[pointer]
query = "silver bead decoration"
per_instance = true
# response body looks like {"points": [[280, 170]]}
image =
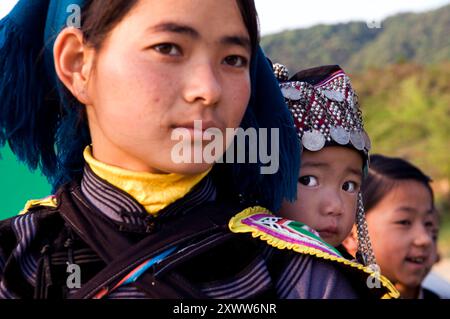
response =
{"points": [[339, 135], [281, 71], [364, 243], [313, 140]]}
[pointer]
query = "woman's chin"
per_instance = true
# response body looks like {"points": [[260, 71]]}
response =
{"points": [[191, 168]]}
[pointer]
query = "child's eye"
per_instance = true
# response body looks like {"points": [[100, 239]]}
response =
{"points": [[236, 61], [310, 181], [404, 222], [350, 187], [429, 224], [168, 49], [434, 235]]}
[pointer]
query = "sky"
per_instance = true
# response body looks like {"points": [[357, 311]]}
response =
{"points": [[279, 15]]}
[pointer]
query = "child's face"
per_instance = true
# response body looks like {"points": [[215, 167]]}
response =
{"points": [[327, 192], [166, 64], [401, 231]]}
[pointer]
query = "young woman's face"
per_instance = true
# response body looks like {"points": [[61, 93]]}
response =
{"points": [[327, 192], [401, 231], [166, 64]]}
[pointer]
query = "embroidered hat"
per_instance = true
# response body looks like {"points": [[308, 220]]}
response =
{"points": [[325, 109]]}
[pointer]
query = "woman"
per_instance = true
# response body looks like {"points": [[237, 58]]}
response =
{"points": [[127, 216]]}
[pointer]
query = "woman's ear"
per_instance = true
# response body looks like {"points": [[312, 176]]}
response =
{"points": [[351, 242], [73, 62]]}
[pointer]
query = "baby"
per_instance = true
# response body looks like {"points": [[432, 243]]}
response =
{"points": [[334, 156]]}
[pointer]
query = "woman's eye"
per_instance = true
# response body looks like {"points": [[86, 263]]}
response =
{"points": [[236, 61], [350, 187], [310, 181], [168, 49]]}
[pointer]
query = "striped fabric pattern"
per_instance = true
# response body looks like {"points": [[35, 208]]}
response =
{"points": [[5, 293], [123, 209], [25, 229], [255, 279], [290, 277]]}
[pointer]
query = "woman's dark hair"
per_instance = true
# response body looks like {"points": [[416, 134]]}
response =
{"points": [[98, 19], [384, 175]]}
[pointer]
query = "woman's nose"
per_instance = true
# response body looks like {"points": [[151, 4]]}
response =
{"points": [[203, 85]]}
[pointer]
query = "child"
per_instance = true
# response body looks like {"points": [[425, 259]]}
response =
{"points": [[334, 157], [402, 223]]}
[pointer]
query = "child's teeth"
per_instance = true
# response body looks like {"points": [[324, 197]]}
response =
{"points": [[417, 260]]}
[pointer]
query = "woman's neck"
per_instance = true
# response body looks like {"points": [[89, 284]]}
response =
{"points": [[153, 191]]}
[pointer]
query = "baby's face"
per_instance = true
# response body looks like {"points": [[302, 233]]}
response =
{"points": [[327, 192]]}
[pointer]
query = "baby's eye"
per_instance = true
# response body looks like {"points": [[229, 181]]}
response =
{"points": [[168, 49], [350, 187], [310, 181], [236, 61]]}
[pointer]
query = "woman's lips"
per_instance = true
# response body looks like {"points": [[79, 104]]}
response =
{"points": [[198, 130]]}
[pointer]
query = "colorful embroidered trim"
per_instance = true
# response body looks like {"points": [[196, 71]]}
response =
{"points": [[49, 201], [282, 233]]}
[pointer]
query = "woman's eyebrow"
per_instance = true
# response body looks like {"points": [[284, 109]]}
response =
{"points": [[237, 40], [173, 27]]}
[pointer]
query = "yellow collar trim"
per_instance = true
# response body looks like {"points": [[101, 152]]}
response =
{"points": [[49, 201], [153, 191], [236, 225]]}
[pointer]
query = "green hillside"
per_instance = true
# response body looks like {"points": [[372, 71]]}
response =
{"points": [[422, 38], [406, 109]]}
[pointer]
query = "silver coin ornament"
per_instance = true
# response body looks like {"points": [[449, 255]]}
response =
{"points": [[333, 95], [367, 142], [339, 135], [313, 140], [291, 93], [357, 140]]}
